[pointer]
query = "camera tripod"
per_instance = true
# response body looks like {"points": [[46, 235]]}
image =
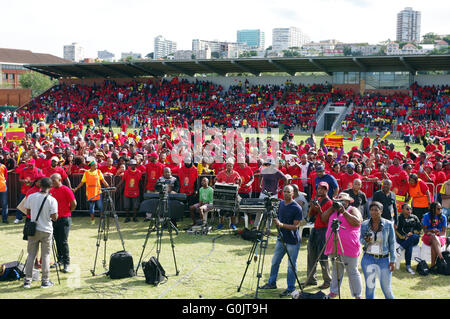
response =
{"points": [[103, 225], [263, 232], [161, 221], [335, 226]]}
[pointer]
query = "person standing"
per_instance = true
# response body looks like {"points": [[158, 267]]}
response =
{"points": [[419, 193], [388, 199], [288, 221], [351, 219], [27, 176], [131, 178], [378, 238], [66, 205], [44, 231], [316, 240], [4, 193], [93, 178]]}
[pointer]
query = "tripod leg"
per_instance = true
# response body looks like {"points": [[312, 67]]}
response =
{"points": [[170, 226], [143, 247], [262, 250], [250, 256], [54, 257], [99, 236]]}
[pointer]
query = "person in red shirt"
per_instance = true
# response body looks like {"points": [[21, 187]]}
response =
{"points": [[131, 177], [27, 176], [246, 174], [395, 168], [154, 170], [229, 176], [187, 176], [54, 168], [348, 177], [66, 204], [109, 169]]}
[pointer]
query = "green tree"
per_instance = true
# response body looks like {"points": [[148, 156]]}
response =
{"points": [[150, 55], [37, 82], [215, 55], [347, 51]]}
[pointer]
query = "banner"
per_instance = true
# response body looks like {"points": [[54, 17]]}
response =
{"points": [[15, 134], [334, 141]]}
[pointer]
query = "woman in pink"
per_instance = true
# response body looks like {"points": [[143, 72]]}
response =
{"points": [[348, 219]]}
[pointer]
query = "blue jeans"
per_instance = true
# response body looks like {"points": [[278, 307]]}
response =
{"points": [[4, 201], [19, 214], [408, 245], [373, 267], [93, 204], [278, 255]]}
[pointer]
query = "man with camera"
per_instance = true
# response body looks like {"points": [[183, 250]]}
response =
{"points": [[287, 222], [317, 239], [46, 206]]}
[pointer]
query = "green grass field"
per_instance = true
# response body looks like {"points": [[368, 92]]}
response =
{"points": [[211, 266]]}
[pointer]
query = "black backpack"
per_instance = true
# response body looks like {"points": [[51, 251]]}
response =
{"points": [[251, 235], [153, 271], [121, 265], [422, 267]]}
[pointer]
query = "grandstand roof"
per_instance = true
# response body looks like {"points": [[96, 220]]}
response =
{"points": [[406, 63], [27, 57]]}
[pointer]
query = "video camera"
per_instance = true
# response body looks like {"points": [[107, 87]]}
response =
{"points": [[162, 186], [271, 203], [337, 204]]}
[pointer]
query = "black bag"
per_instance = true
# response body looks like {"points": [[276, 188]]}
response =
{"points": [[121, 265], [154, 272], [29, 228], [442, 266], [422, 267]]}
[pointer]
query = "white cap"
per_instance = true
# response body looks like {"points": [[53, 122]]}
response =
{"points": [[55, 158]]}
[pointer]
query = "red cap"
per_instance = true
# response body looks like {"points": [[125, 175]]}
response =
{"points": [[31, 161], [324, 184], [154, 154]]}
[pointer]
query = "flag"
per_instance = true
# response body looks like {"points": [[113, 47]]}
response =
{"points": [[334, 141], [386, 135]]}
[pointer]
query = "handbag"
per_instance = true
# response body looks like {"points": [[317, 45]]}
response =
{"points": [[29, 229]]}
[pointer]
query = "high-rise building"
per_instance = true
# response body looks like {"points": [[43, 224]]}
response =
{"points": [[253, 39], [285, 38], [73, 52], [163, 47], [105, 55], [408, 25]]}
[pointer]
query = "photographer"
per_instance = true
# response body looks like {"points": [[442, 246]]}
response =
{"points": [[378, 238], [288, 221], [168, 179], [44, 231], [316, 240], [350, 217]]}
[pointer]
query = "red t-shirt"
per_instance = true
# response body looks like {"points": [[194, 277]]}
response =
{"points": [[347, 180], [187, 177], [105, 169], [30, 174], [233, 178], [49, 171], [154, 171], [246, 174], [132, 179], [63, 196], [319, 223]]}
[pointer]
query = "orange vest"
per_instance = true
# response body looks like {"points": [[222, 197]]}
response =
{"points": [[3, 173], [93, 186], [419, 199]]}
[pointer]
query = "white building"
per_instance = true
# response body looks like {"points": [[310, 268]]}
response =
{"points": [[163, 47], [393, 48], [408, 25], [227, 50], [285, 38], [73, 52]]}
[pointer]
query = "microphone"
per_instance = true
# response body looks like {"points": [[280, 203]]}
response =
{"points": [[108, 189]]}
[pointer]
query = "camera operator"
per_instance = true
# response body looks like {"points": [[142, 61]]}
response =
{"points": [[288, 221], [350, 217], [168, 179], [317, 239]]}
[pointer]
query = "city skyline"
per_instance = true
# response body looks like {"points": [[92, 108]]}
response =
{"points": [[349, 21]]}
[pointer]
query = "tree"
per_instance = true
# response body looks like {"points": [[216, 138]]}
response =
{"points": [[150, 55], [215, 55], [37, 82], [347, 51]]}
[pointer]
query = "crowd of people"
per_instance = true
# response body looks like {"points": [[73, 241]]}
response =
{"points": [[385, 195]]}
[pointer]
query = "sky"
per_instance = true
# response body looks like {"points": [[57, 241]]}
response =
{"points": [[45, 26]]}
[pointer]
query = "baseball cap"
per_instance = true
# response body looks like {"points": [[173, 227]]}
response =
{"points": [[132, 162], [324, 184], [351, 165], [154, 154], [55, 158], [320, 168]]}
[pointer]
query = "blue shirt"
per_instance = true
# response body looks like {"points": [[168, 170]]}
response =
{"points": [[332, 183], [287, 214], [438, 223]]}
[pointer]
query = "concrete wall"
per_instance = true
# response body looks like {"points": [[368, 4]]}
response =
{"points": [[14, 97]]}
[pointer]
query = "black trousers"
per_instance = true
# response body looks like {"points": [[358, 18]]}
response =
{"points": [[61, 230]]}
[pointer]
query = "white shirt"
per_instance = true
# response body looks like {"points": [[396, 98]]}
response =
{"points": [[34, 202]]}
